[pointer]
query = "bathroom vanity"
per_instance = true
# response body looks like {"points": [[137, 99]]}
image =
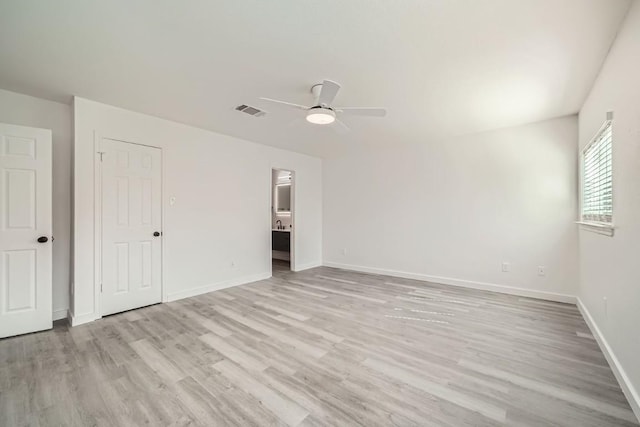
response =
{"points": [[281, 240]]}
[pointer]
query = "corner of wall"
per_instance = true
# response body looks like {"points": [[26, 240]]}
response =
{"points": [[628, 389]]}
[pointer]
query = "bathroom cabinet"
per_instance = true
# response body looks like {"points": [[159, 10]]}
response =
{"points": [[281, 240]]}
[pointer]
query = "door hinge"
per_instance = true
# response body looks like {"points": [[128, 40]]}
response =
{"points": [[101, 153], [100, 287]]}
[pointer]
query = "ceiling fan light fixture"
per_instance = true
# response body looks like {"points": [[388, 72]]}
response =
{"points": [[321, 116], [322, 111]]}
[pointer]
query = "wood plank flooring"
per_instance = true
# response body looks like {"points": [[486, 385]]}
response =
{"points": [[318, 348]]}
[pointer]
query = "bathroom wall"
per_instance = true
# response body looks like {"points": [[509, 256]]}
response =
{"points": [[287, 219]]}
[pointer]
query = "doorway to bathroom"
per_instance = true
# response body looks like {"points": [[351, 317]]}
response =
{"points": [[282, 219]]}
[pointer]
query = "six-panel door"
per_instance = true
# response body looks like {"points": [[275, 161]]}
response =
{"points": [[25, 218], [131, 214]]}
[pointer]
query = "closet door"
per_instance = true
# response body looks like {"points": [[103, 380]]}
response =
{"points": [[131, 226]]}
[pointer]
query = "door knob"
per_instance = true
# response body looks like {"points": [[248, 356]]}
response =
{"points": [[156, 233], [43, 239]]}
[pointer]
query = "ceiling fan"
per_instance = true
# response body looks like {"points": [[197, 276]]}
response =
{"points": [[323, 113]]}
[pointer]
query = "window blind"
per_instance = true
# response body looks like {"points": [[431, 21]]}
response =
{"points": [[597, 188]]}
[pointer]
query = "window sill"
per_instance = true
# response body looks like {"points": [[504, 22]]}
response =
{"points": [[597, 227]]}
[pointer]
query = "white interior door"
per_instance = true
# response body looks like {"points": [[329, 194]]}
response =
{"points": [[25, 218], [131, 226]]}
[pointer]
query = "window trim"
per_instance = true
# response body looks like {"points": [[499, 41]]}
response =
{"points": [[600, 227]]}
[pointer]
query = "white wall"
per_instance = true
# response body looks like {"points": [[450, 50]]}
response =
{"points": [[222, 212], [610, 266], [25, 110], [453, 211]]}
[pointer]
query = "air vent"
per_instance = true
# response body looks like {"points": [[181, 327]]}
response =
{"points": [[252, 111]]}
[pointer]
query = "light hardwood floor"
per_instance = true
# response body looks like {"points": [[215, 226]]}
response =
{"points": [[321, 347]]}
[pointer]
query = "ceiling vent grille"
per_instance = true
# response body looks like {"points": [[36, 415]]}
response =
{"points": [[252, 111]]}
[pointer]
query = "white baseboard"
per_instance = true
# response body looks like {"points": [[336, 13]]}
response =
{"points": [[60, 313], [217, 286], [511, 290], [628, 389], [81, 319], [90, 317], [307, 266]]}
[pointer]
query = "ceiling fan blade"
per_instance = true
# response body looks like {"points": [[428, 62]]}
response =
{"points": [[288, 104], [362, 111], [328, 92], [339, 127]]}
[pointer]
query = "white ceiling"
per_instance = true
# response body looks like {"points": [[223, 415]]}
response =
{"points": [[440, 67]]}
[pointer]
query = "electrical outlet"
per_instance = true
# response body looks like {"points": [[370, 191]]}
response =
{"points": [[172, 200], [542, 270], [506, 267], [344, 251]]}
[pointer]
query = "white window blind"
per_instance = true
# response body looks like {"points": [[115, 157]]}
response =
{"points": [[597, 188]]}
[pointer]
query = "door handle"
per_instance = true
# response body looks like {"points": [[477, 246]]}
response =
{"points": [[156, 233], [43, 239]]}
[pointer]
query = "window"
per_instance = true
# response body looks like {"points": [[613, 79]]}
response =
{"points": [[597, 183]]}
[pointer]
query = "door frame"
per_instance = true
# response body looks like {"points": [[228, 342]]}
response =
{"points": [[97, 220], [292, 259]]}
